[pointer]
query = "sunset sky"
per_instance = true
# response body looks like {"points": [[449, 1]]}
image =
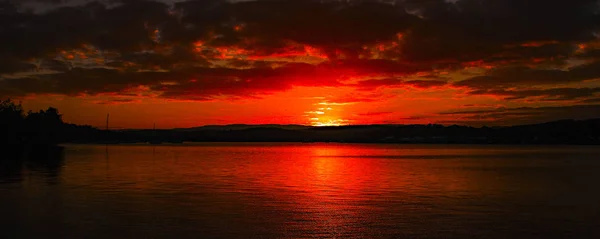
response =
{"points": [[311, 62]]}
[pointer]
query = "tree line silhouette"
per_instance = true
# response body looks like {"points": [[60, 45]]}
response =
{"points": [[41, 128]]}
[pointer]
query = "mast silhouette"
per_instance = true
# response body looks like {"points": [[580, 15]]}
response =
{"points": [[107, 115], [155, 137]]}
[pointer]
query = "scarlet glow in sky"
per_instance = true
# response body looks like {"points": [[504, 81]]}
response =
{"points": [[191, 63]]}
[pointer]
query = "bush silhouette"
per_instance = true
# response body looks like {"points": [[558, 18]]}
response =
{"points": [[41, 127]]}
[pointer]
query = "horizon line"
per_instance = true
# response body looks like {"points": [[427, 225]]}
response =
{"points": [[348, 125]]}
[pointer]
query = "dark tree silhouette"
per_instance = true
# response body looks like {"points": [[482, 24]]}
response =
{"points": [[44, 127], [36, 128], [41, 129], [11, 122]]}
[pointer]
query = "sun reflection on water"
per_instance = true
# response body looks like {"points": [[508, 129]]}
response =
{"points": [[297, 190]]}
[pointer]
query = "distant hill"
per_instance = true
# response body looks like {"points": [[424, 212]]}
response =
{"points": [[244, 126], [557, 132]]}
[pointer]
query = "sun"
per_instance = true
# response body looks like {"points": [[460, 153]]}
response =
{"points": [[329, 122], [326, 114]]}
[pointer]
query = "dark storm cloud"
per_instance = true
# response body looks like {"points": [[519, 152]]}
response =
{"points": [[476, 29], [414, 36], [522, 110], [392, 82], [55, 65], [370, 114], [77, 81], [434, 30], [524, 115], [121, 28], [8, 66], [195, 83], [324, 23], [178, 57], [380, 66], [592, 100], [425, 83], [516, 82], [43, 1], [555, 94], [376, 83], [207, 83], [116, 101], [526, 76]]}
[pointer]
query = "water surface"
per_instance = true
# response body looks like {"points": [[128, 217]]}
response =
{"points": [[252, 190]]}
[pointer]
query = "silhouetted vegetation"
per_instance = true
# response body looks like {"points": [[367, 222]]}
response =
{"points": [[44, 128]]}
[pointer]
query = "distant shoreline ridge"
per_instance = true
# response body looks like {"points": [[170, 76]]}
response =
{"points": [[556, 132]]}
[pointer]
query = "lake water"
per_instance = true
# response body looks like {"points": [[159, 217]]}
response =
{"points": [[253, 190]]}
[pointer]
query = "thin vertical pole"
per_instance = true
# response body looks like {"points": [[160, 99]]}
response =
{"points": [[107, 121]]}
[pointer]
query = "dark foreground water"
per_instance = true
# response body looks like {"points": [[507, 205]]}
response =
{"points": [[303, 191]]}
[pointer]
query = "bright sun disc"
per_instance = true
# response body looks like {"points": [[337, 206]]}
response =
{"points": [[338, 122]]}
